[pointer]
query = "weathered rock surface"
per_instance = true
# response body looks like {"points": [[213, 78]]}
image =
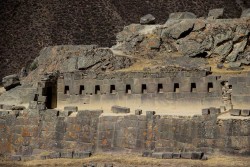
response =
{"points": [[93, 58], [147, 19], [224, 40], [238, 48], [18, 95], [216, 13], [69, 58], [245, 13], [182, 15], [179, 29], [224, 49], [10, 81]]}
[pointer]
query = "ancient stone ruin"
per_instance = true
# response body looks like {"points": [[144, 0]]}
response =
{"points": [[177, 90]]}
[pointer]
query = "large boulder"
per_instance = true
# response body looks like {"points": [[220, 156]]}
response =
{"points": [[147, 19], [245, 13], [224, 49], [216, 13], [182, 15], [194, 48], [120, 62], [177, 30], [223, 35], [10, 81], [241, 32], [91, 59], [238, 48]]}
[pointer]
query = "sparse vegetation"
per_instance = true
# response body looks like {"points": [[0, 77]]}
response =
{"points": [[124, 160], [33, 65]]}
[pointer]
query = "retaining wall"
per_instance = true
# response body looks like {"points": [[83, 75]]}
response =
{"points": [[240, 91], [141, 89], [25, 132]]}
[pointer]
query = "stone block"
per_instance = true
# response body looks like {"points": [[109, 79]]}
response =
{"points": [[138, 112], [86, 154], [150, 113], [42, 99], [51, 114], [27, 150], [235, 112], [41, 106], [54, 155], [7, 107], [205, 111], [167, 155], [216, 13], [90, 165], [108, 165], [176, 155], [157, 155], [71, 108], [67, 154], [204, 158], [16, 158], [147, 19], [136, 88], [10, 81], [151, 88], [245, 113], [147, 153], [32, 104], [214, 111], [119, 109], [186, 155], [240, 100], [197, 155]]}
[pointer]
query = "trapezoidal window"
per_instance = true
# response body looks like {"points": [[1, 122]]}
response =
{"points": [[160, 88], [210, 87], [66, 90], [193, 87], [128, 89], [81, 91], [176, 87], [112, 89], [97, 89], [143, 88]]}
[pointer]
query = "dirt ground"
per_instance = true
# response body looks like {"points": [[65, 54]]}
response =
{"points": [[134, 160]]}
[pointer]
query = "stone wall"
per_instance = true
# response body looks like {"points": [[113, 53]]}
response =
{"points": [[30, 132], [146, 89], [122, 133], [176, 134], [23, 132], [240, 91]]}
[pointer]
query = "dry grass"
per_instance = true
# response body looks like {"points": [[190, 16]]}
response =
{"points": [[136, 160], [215, 70]]}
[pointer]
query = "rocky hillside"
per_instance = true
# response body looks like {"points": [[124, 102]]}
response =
{"points": [[183, 43], [27, 26]]}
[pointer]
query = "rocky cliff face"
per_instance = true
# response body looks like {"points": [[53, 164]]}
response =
{"points": [[28, 26], [188, 44], [180, 41]]}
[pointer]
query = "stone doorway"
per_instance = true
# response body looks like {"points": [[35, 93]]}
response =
{"points": [[51, 93]]}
